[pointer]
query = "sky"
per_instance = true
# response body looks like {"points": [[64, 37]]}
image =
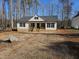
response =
{"points": [[75, 6], [75, 3]]}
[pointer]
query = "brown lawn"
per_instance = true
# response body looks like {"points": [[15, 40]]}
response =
{"points": [[62, 44]]}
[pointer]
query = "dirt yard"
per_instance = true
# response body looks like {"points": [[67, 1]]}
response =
{"points": [[40, 46]]}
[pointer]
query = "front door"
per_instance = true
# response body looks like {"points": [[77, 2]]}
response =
{"points": [[38, 25]]}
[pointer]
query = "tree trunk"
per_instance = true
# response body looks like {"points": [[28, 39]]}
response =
{"points": [[3, 13], [11, 12]]}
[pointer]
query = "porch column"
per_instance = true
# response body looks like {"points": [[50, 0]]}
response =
{"points": [[55, 25], [45, 26], [40, 25], [35, 25]]}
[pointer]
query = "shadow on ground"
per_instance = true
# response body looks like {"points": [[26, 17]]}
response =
{"points": [[5, 41], [76, 35], [69, 35], [64, 50]]}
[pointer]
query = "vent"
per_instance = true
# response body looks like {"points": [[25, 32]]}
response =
{"points": [[36, 18]]}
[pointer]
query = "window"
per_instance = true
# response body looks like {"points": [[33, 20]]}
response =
{"points": [[50, 25], [22, 24], [36, 18], [42, 25]]}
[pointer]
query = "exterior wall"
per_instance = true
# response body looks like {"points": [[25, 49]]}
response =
{"points": [[26, 28], [23, 28], [75, 23], [54, 28]]}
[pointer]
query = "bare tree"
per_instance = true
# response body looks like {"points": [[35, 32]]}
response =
{"points": [[18, 4], [66, 10], [11, 12], [35, 5], [3, 12]]}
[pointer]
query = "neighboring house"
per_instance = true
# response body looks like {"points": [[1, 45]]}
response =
{"points": [[75, 22], [37, 23]]}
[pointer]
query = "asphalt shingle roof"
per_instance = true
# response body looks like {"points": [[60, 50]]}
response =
{"points": [[45, 18]]}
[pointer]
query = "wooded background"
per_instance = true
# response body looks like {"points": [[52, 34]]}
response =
{"points": [[13, 10]]}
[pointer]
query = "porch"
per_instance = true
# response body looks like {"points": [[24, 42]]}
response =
{"points": [[42, 26], [37, 26]]}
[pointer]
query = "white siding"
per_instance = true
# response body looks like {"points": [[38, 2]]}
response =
{"points": [[54, 28], [26, 26], [75, 22]]}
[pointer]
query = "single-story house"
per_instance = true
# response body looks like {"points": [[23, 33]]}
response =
{"points": [[36, 23], [75, 22]]}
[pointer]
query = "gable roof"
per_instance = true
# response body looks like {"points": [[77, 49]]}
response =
{"points": [[45, 18], [76, 19], [36, 19], [77, 15], [49, 18]]}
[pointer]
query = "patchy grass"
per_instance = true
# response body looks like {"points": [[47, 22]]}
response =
{"points": [[41, 46]]}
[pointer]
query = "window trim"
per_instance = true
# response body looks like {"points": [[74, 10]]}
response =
{"points": [[49, 25], [22, 24], [53, 25]]}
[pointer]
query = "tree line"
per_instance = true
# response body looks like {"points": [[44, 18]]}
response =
{"points": [[21, 8]]}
